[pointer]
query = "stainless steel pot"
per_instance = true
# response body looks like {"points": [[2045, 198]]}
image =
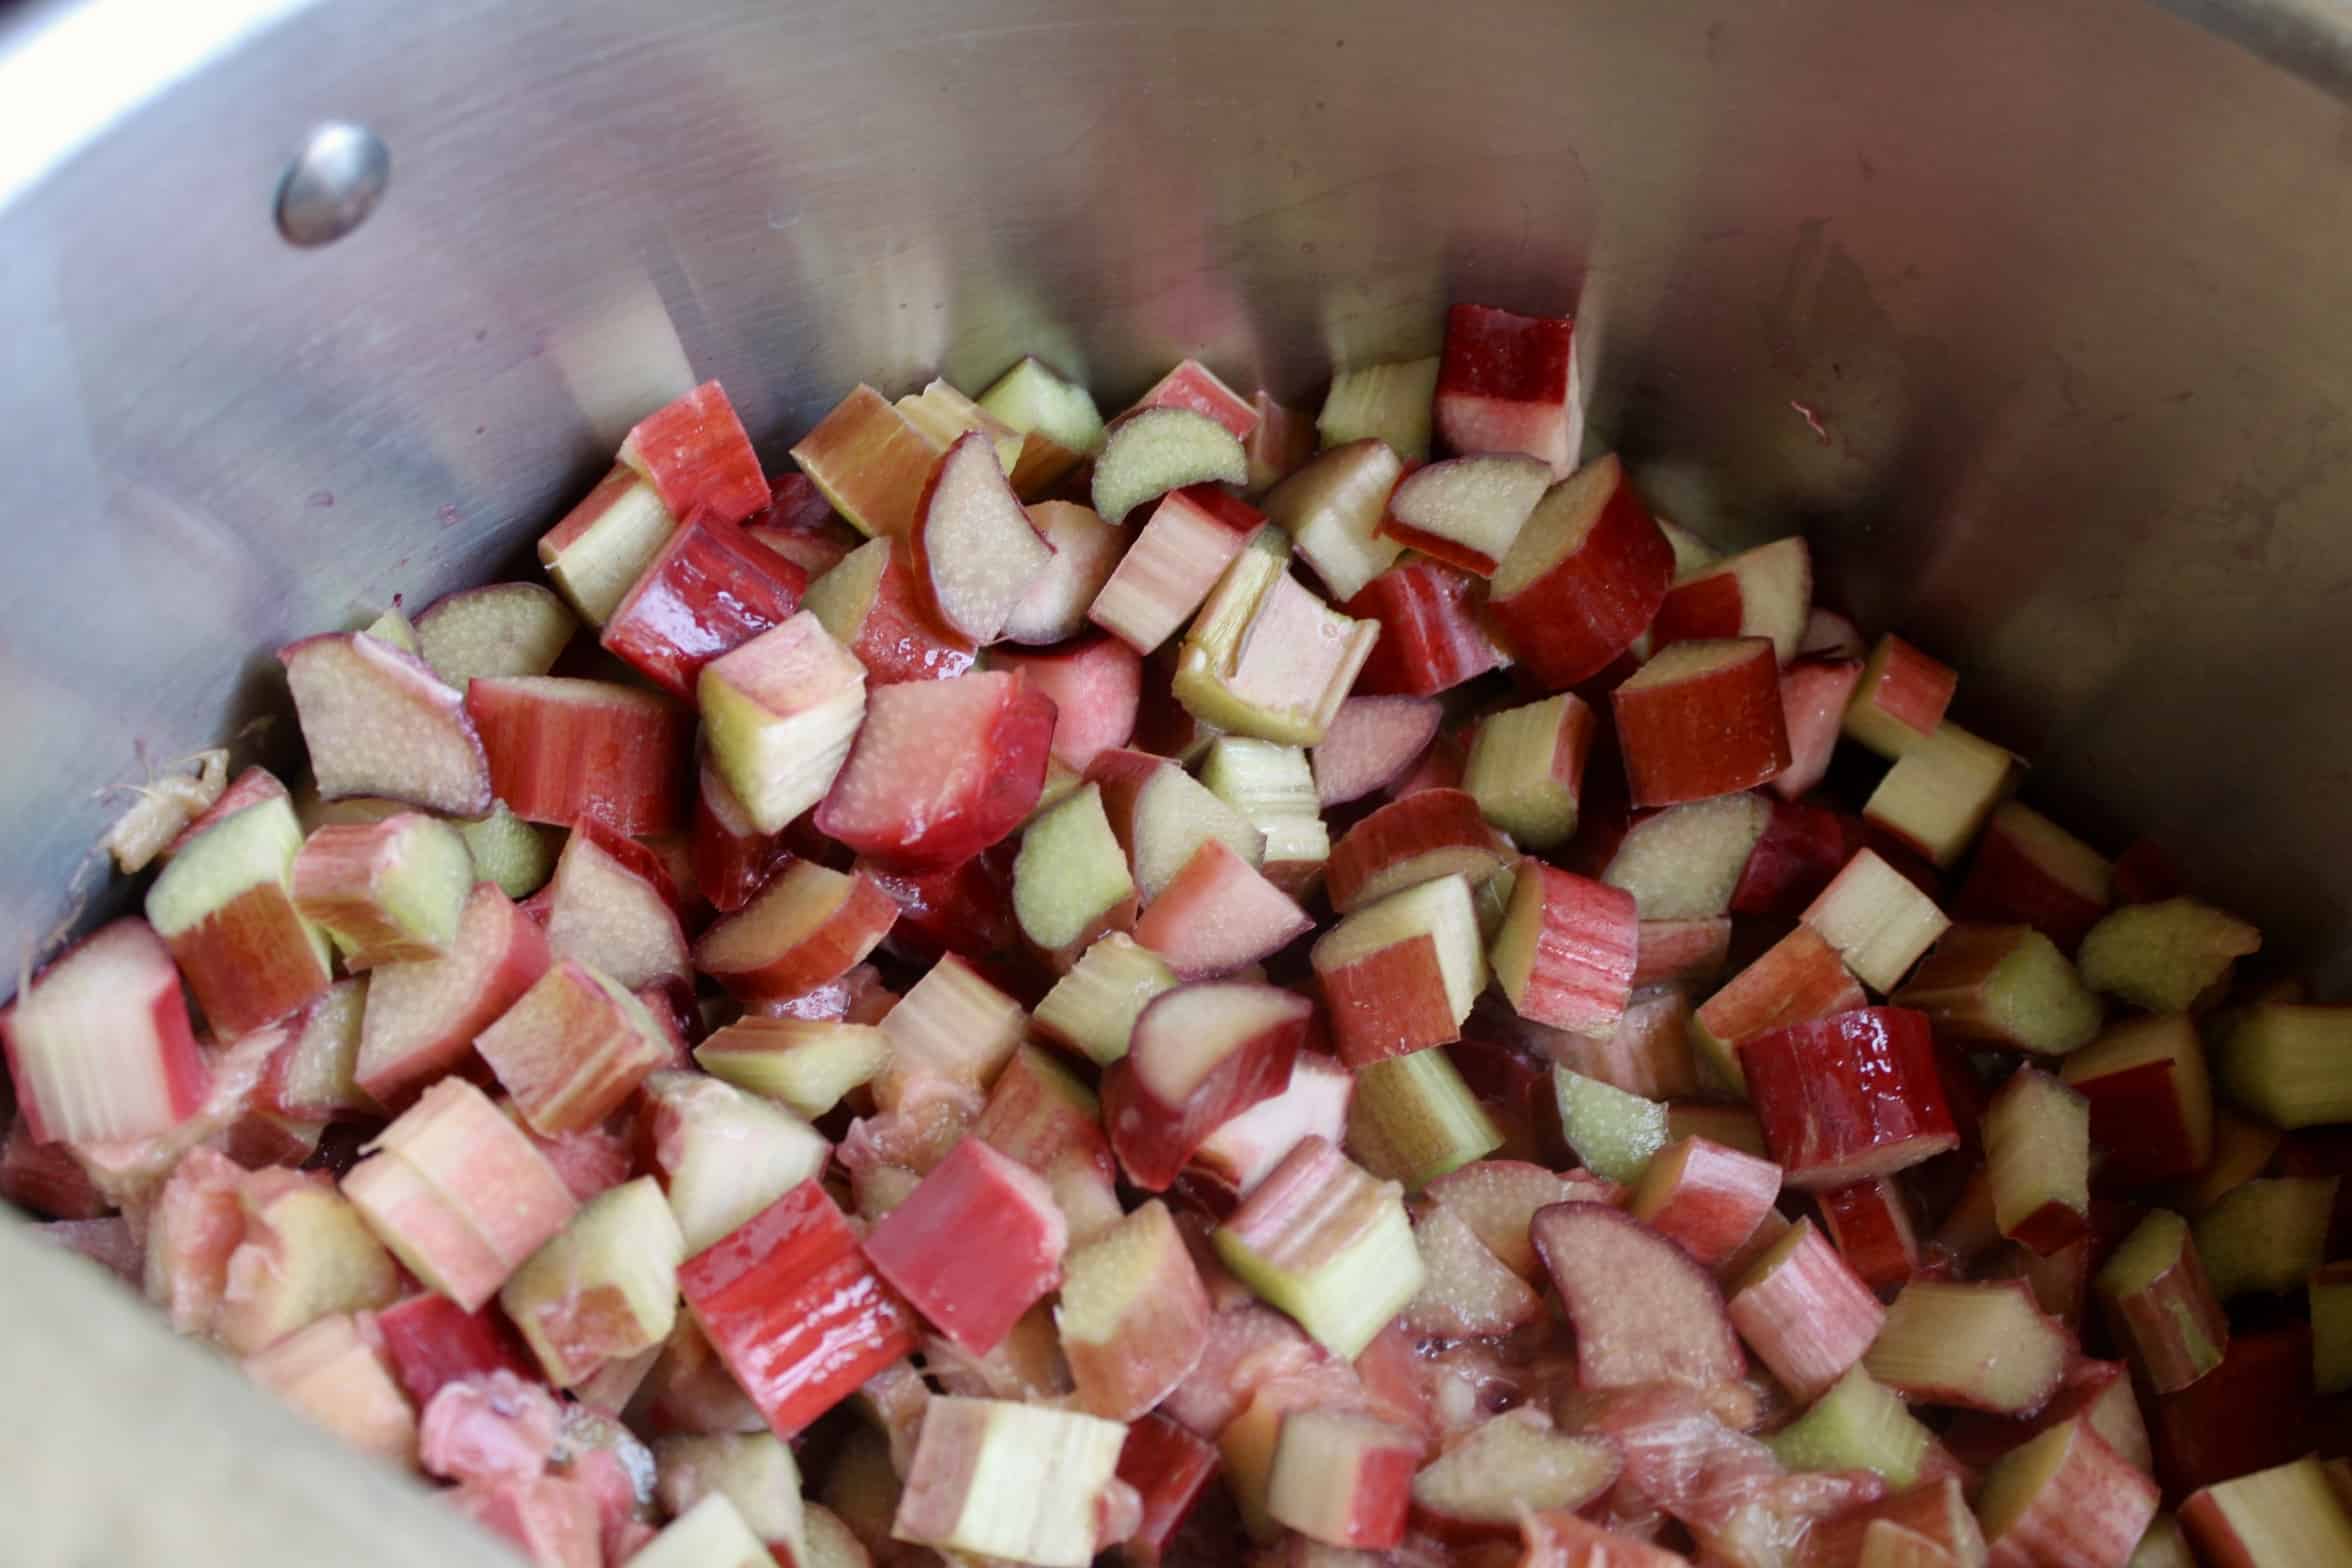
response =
{"points": [[2034, 313]]}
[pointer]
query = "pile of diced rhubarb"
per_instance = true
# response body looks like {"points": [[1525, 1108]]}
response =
{"points": [[1213, 989]]}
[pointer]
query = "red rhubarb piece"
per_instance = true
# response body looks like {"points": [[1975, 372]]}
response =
{"points": [[941, 770], [1702, 719], [1200, 1055], [1584, 578], [99, 1044], [977, 1244], [563, 749], [1431, 639], [693, 451], [1850, 1096], [1643, 1311], [709, 591], [1508, 383]]}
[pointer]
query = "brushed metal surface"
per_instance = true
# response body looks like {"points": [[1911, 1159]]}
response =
{"points": [[2060, 282]]}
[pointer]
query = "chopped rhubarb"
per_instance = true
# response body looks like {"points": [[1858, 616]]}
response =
{"points": [[1056, 417], [1430, 834], [1813, 693], [975, 547], [1584, 578], [1856, 1425], [1705, 1198], [1399, 974], [1701, 719], [1526, 766], [1266, 656], [1413, 1119], [1169, 1468], [806, 926], [952, 1026], [1134, 1317], [601, 545], [1877, 919], [1469, 1291], [1648, 1052], [1797, 979], [1432, 638], [2290, 1064], [1804, 1312], [1565, 953], [873, 604], [974, 1247], [1327, 1244], [562, 749], [1220, 914], [2267, 1235], [1342, 1478], [1684, 863], [1979, 1347], [1168, 572], [1853, 1095], [604, 1288], [99, 1044], [2037, 1135], [1466, 511], [431, 1342], [1070, 880], [2288, 1514], [2151, 1102], [723, 1155], [1245, 1149], [1939, 794], [1331, 509], [1093, 1008], [388, 891], [378, 722], [422, 1018], [1643, 1311], [2065, 1497], [1200, 1055], [1614, 1133], [1150, 451], [1870, 1221], [225, 907], [1392, 401], [709, 590], [2006, 986], [1509, 383], [2028, 869], [870, 461], [612, 905], [795, 1310], [941, 770], [1002, 1480], [1901, 699], [2161, 1306], [1764, 592], [572, 1048], [755, 1471], [333, 1374], [1371, 742]]}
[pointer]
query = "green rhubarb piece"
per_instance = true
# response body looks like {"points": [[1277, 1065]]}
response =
{"points": [[1391, 402], [2005, 986], [2291, 1065], [1413, 1119], [2164, 956], [1070, 871], [2266, 1235], [1265, 657], [1860, 1424], [1516, 773], [394, 628], [1093, 1008], [1328, 1244], [1612, 1132], [519, 856], [1155, 450], [1033, 397]]}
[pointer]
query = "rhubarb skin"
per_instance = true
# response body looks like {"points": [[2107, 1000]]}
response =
{"points": [[1643, 1311], [1169, 1468], [1419, 838], [1805, 1313], [2162, 1307], [1566, 953], [693, 451], [1133, 1317], [976, 1245], [2287, 1515], [941, 770], [1705, 1198], [1431, 638], [2029, 870], [708, 591], [1702, 719], [563, 749], [1584, 579], [1871, 1223], [113, 992], [794, 1309], [2065, 1497], [2253, 1411], [1850, 1096], [1798, 978], [1800, 852], [1508, 383], [731, 856], [431, 1342], [872, 602]]}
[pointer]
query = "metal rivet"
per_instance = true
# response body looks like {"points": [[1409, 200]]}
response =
{"points": [[333, 183]]}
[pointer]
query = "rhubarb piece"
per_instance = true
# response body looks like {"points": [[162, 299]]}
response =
{"points": [[1525, 768], [1877, 919], [1163, 815], [694, 453], [1764, 592], [711, 1534], [1614, 1133], [1149, 452], [977, 1244], [2165, 956], [2289, 1064], [458, 1194], [1704, 1198], [2288, 1514], [1432, 638], [2164, 1546], [779, 714], [1327, 1244], [1648, 1052], [1133, 1317], [1813, 693], [807, 1065], [1413, 1119], [731, 858], [2161, 1306], [1802, 848], [2065, 1497], [1244, 1150], [2037, 1135], [753, 1470], [1430, 834], [563, 749], [1095, 685], [946, 416], [1804, 1312], [2029, 869], [304, 1255], [1070, 880], [1342, 1478], [795, 1310], [604, 1288], [1400, 974], [1856, 1425], [1468, 1290], [225, 908], [1218, 915], [1509, 383], [1798, 979], [1584, 578], [1935, 799], [870, 461], [2266, 1235], [193, 1229], [99, 1044], [2242, 1150], [2005, 986], [1901, 699], [1701, 719], [430, 1343], [572, 1048], [1183, 548], [421, 1018], [1392, 402], [1683, 863], [1870, 1221], [46, 1179], [1002, 1480], [1566, 1540], [1200, 1054], [310, 1075], [723, 1155], [872, 603], [1468, 510], [1086, 551], [334, 1376], [151, 824], [1093, 1008], [1192, 385], [1265, 656], [1332, 510], [807, 926], [1565, 953], [941, 770], [1039, 1113], [1056, 416], [596, 552], [708, 591], [386, 893], [377, 722], [1643, 1311], [974, 545], [951, 1026], [1849, 1096], [1279, 446], [1371, 742], [612, 906], [1935, 1511], [516, 855], [1169, 1468], [497, 630], [1979, 1347], [1273, 787]]}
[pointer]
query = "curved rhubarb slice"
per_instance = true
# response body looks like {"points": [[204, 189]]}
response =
{"points": [[1702, 719], [1584, 578], [872, 603], [1070, 878], [974, 545], [1265, 656], [1163, 814], [941, 770], [708, 591], [377, 721], [1979, 1347], [1096, 685], [1056, 415], [1370, 744], [1151, 451], [1200, 1055], [1850, 1096], [2028, 868], [1683, 863], [497, 629], [1466, 511], [1644, 1312], [1497, 1199], [808, 925], [611, 904], [1219, 914], [1469, 1290], [1480, 1487], [563, 749], [1429, 834]]}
